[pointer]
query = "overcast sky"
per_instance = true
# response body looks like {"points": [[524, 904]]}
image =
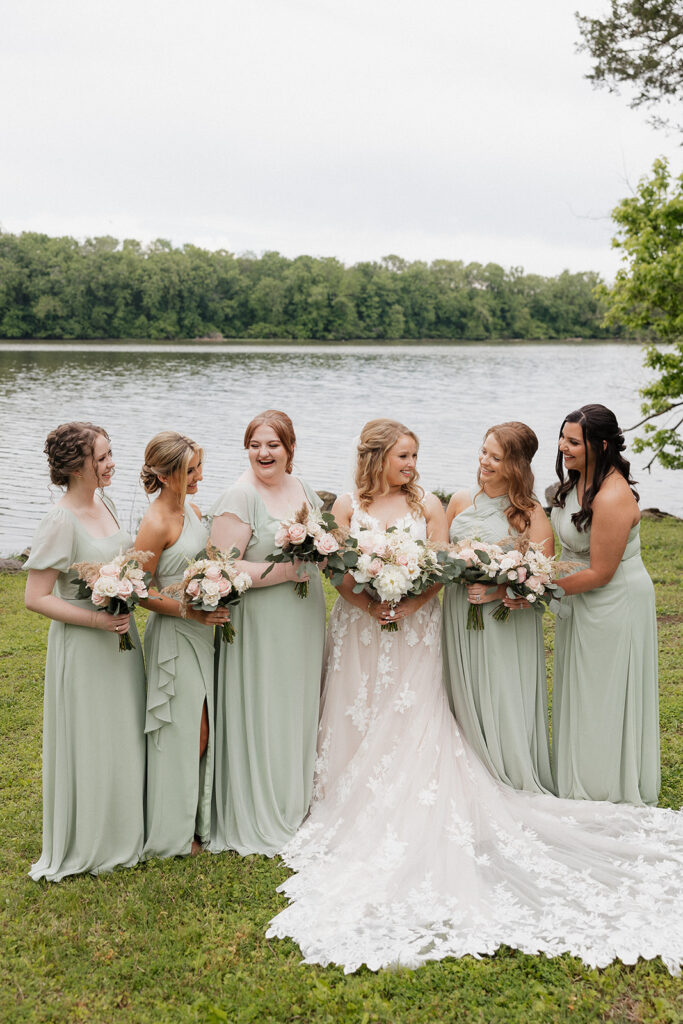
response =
{"points": [[357, 128]]}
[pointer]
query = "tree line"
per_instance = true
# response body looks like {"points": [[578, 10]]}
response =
{"points": [[103, 288]]}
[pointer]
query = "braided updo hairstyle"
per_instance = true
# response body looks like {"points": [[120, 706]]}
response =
{"points": [[67, 447], [168, 454], [377, 438], [519, 444], [602, 432]]}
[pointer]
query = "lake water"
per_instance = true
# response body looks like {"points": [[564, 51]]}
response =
{"points": [[448, 394]]}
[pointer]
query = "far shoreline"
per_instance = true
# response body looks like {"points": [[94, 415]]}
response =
{"points": [[218, 343]]}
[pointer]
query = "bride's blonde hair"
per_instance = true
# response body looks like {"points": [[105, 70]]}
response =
{"points": [[377, 438]]}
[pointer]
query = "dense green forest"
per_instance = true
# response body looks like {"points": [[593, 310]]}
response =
{"points": [[101, 288]]}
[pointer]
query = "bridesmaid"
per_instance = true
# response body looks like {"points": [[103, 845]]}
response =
{"points": [[94, 709], [269, 680], [495, 678], [179, 656], [605, 698]]}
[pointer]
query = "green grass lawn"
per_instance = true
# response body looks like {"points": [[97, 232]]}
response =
{"points": [[183, 940]]}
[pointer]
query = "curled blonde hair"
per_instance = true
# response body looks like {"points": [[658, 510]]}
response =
{"points": [[377, 438], [168, 454]]}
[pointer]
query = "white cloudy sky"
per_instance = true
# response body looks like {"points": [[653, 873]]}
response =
{"points": [[457, 129]]}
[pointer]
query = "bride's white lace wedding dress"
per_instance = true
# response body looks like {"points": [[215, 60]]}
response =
{"points": [[413, 852]]}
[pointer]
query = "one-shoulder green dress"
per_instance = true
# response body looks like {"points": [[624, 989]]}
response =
{"points": [[179, 654], [605, 696], [93, 719], [267, 698], [495, 678]]}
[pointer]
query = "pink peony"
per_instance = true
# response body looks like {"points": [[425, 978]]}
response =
{"points": [[326, 544], [297, 533]]}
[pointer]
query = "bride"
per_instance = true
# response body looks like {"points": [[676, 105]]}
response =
{"points": [[412, 851]]}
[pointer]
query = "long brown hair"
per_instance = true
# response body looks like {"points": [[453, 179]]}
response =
{"points": [[519, 444], [283, 427], [602, 433], [377, 438]]}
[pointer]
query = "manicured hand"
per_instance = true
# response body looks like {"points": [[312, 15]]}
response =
{"points": [[479, 593]]}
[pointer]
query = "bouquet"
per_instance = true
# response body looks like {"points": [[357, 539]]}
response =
{"points": [[391, 565], [211, 581], [524, 570], [115, 587], [307, 536]]}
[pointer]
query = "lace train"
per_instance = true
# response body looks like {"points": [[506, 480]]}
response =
{"points": [[413, 852]]}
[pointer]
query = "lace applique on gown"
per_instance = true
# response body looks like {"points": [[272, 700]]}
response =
{"points": [[413, 852]]}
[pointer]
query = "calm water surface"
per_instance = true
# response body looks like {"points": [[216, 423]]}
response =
{"points": [[447, 394]]}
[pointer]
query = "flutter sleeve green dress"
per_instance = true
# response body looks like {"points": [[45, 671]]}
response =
{"points": [[179, 655], [605, 696], [495, 678], [267, 698], [93, 720]]}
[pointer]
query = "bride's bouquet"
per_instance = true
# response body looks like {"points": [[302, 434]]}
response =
{"points": [[524, 570], [114, 587], [391, 565], [307, 536], [211, 581]]}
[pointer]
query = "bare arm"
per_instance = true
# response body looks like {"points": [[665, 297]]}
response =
{"points": [[39, 598], [613, 517], [458, 503], [228, 531]]}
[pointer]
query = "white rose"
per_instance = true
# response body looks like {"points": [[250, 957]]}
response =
{"points": [[210, 588], [392, 583], [107, 586], [360, 573]]}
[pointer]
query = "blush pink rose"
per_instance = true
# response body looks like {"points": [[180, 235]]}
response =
{"points": [[224, 586], [282, 538], [212, 572], [521, 574], [125, 588], [326, 544], [99, 599], [535, 583], [140, 589], [375, 567], [366, 543], [192, 588], [297, 533], [109, 570]]}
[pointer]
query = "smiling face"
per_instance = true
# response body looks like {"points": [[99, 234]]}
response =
{"points": [[268, 456], [98, 470], [400, 462], [493, 475], [575, 455], [192, 477]]}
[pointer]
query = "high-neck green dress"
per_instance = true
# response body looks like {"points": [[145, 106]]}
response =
{"points": [[267, 697], [605, 696], [93, 719], [495, 678], [179, 655]]}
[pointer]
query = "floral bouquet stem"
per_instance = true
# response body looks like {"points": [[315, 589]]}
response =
{"points": [[475, 618], [502, 613], [228, 631]]}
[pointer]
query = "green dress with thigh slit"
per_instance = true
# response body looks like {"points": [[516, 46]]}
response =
{"points": [[93, 719], [179, 654], [495, 678], [605, 696], [267, 698]]}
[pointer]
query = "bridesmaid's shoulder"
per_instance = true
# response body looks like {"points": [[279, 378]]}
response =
{"points": [[615, 496], [432, 504], [343, 509], [458, 503]]}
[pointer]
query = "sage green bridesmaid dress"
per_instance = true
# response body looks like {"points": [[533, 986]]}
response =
{"points": [[93, 720], [495, 678], [605, 696], [179, 654], [267, 698]]}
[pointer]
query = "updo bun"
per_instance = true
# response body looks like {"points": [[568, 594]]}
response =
{"points": [[168, 455], [67, 447]]}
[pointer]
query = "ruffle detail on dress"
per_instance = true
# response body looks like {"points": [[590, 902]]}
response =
{"points": [[161, 692]]}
